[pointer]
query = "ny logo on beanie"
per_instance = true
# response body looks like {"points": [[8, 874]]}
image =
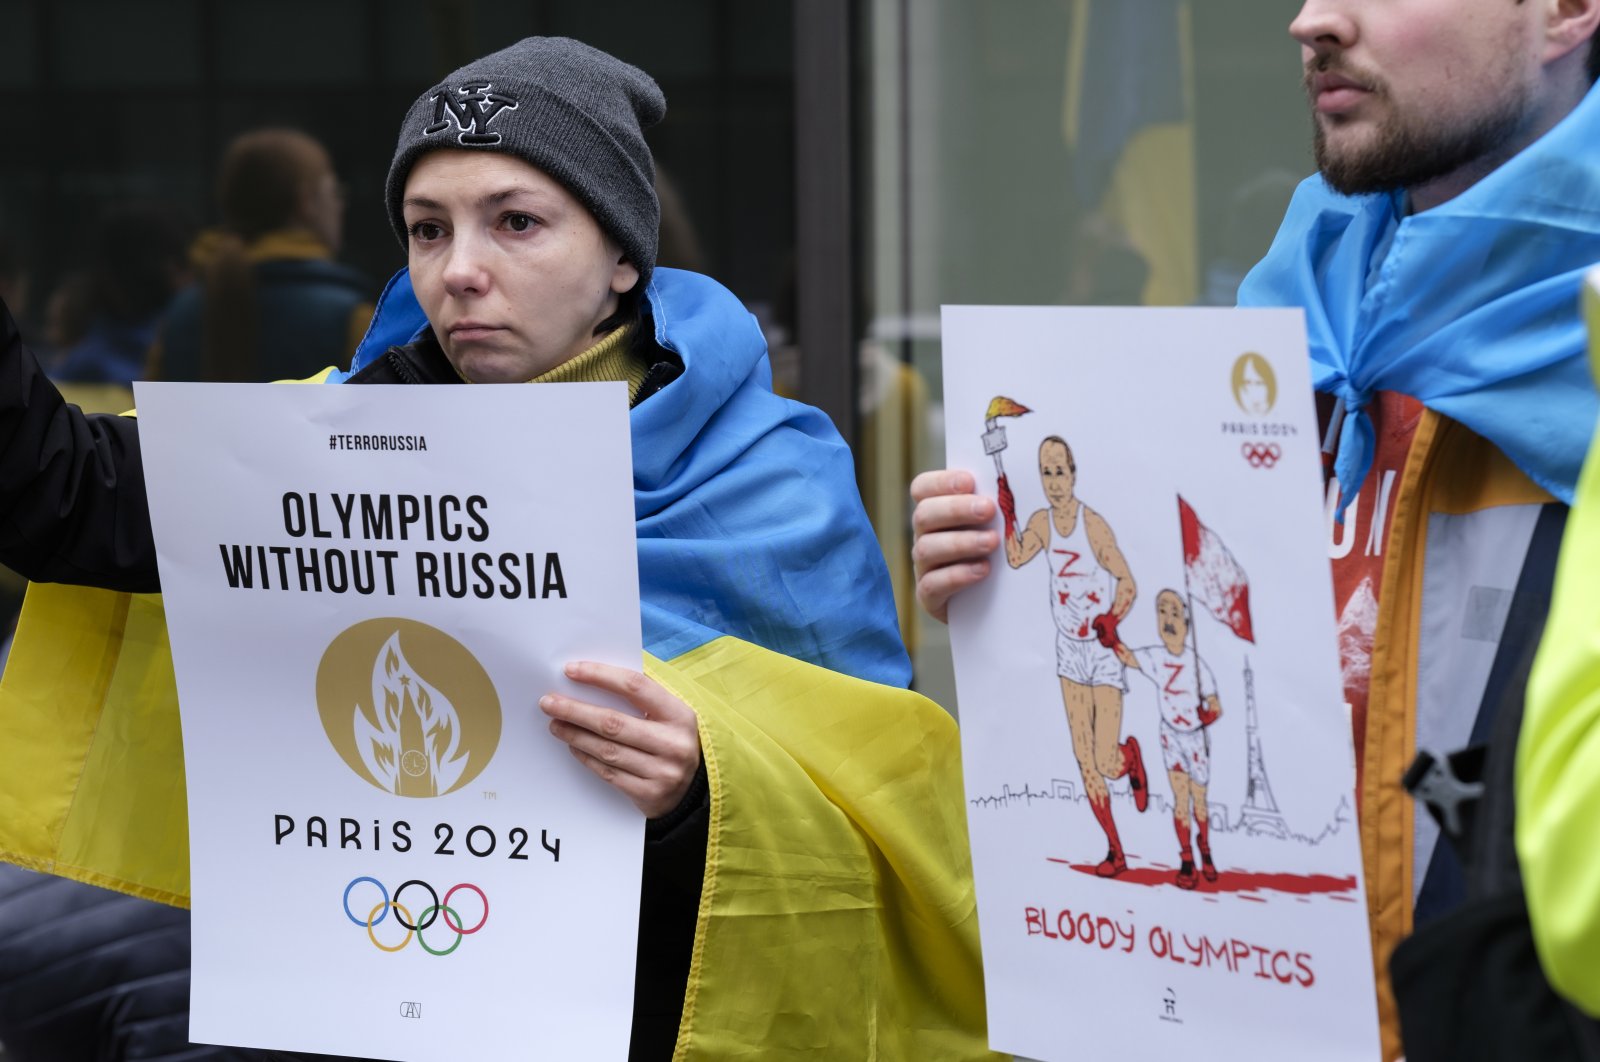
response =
{"points": [[473, 107]]}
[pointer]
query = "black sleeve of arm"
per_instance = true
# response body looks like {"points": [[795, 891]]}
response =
{"points": [[669, 908], [72, 494], [675, 844]]}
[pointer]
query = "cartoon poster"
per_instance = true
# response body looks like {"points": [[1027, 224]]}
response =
{"points": [[1158, 760], [367, 593]]}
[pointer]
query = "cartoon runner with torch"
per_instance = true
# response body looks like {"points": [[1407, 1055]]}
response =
{"points": [[1187, 694], [1091, 589]]}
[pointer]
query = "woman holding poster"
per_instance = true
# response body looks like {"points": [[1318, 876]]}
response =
{"points": [[522, 188]]}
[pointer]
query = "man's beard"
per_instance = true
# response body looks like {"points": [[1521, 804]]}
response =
{"points": [[1407, 151]]}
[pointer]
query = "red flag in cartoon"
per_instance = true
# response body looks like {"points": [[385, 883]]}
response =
{"points": [[1214, 577]]}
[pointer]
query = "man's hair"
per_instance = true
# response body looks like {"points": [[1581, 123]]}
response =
{"points": [[1071, 464]]}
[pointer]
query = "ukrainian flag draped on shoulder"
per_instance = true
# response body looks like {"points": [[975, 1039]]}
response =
{"points": [[1467, 307], [748, 515], [837, 916]]}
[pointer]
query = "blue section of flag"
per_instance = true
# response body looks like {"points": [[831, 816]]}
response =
{"points": [[1471, 307], [397, 321]]}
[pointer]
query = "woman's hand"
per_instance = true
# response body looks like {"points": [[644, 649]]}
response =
{"points": [[652, 760]]}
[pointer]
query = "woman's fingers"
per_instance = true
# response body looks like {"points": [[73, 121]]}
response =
{"points": [[941, 481], [652, 760], [640, 690], [614, 756], [607, 724]]}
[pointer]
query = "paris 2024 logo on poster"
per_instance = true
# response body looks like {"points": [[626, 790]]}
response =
{"points": [[407, 707]]}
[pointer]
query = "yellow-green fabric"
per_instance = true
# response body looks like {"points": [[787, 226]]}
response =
{"points": [[1558, 753], [613, 358], [837, 916], [91, 757]]}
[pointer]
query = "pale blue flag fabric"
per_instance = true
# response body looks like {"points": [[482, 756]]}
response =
{"points": [[1471, 307]]}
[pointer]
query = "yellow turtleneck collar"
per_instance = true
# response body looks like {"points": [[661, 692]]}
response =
{"points": [[613, 358]]}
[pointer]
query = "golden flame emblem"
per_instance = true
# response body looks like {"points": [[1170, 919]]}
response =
{"points": [[407, 707]]}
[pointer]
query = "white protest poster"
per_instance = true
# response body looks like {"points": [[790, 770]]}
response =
{"points": [[367, 590], [1165, 470]]}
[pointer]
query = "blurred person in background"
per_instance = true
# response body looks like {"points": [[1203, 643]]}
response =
{"points": [[272, 303], [103, 319]]}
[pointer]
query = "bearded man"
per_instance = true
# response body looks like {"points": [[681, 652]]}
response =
{"points": [[1438, 256]]}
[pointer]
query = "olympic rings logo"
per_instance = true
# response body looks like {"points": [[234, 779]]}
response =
{"points": [[1261, 455], [414, 927]]}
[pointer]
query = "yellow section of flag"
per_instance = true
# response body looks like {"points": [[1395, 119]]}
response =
{"points": [[838, 906], [91, 757]]}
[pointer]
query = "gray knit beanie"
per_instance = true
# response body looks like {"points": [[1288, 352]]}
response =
{"points": [[573, 111]]}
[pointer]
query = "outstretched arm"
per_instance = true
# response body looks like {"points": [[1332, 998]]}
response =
{"points": [[72, 490]]}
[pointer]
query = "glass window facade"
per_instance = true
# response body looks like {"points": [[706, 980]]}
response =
{"points": [[953, 151], [1111, 152], [119, 101]]}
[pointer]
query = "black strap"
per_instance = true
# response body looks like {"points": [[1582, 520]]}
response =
{"points": [[1471, 793]]}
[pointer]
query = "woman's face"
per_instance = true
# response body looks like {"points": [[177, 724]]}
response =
{"points": [[512, 271]]}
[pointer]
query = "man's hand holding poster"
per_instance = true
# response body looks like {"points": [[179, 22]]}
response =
{"points": [[1157, 759], [391, 856]]}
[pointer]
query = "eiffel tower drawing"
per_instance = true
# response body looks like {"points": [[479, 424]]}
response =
{"points": [[1260, 813]]}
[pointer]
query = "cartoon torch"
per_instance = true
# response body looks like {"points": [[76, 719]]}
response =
{"points": [[994, 441]]}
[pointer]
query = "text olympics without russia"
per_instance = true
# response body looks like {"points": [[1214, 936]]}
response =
{"points": [[390, 518]]}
